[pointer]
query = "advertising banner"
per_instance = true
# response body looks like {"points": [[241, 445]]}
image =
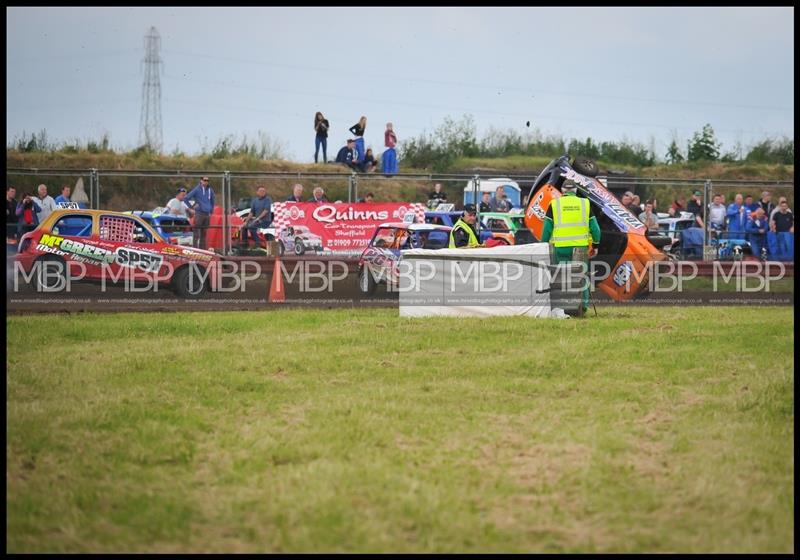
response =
{"points": [[342, 227]]}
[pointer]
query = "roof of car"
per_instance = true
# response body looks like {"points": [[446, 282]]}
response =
{"points": [[416, 226]]}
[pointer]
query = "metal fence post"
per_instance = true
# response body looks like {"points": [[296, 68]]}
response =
{"points": [[706, 193], [476, 181], [226, 207], [352, 187], [94, 189]]}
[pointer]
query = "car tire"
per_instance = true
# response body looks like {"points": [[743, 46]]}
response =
{"points": [[299, 248], [366, 283], [187, 284], [585, 166], [281, 248], [55, 265]]}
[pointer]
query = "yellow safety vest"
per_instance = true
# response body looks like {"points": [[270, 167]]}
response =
{"points": [[461, 224], [570, 222]]}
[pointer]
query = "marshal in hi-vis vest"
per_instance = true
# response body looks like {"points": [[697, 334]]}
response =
{"points": [[461, 224], [570, 222]]}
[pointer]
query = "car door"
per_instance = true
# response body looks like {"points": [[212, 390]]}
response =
{"points": [[136, 249]]}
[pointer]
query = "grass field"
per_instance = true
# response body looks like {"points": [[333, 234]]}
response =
{"points": [[657, 429]]}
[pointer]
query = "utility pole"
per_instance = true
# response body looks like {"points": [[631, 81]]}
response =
{"points": [[150, 119]]}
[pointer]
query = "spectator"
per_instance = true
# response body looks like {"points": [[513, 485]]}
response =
{"points": [[638, 203], [319, 196], [678, 205], [203, 197], [45, 203], [321, 126], [627, 202], [749, 205], [369, 199], [695, 206], [347, 156], [260, 216], [737, 215], [358, 131], [64, 196], [766, 203], [11, 213], [781, 234], [369, 164], [756, 229], [716, 214], [501, 202], [649, 218], [27, 212], [297, 193], [436, 196], [389, 157], [486, 203], [177, 207]]}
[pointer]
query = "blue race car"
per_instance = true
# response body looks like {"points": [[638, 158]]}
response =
{"points": [[174, 229]]}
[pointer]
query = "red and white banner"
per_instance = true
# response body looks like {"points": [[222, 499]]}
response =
{"points": [[342, 226]]}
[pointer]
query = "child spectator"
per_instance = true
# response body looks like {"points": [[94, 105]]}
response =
{"points": [[369, 164], [28, 215], [486, 203], [358, 131], [321, 126], [648, 217]]}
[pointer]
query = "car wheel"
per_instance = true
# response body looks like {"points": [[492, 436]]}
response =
{"points": [[190, 282], [366, 283], [299, 248], [281, 248], [51, 274], [585, 166]]}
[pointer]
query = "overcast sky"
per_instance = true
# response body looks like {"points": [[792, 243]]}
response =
{"points": [[609, 73]]}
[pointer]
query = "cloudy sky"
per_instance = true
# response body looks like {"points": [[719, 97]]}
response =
{"points": [[643, 74]]}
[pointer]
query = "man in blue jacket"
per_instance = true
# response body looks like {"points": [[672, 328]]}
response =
{"points": [[737, 215], [203, 197], [757, 228]]}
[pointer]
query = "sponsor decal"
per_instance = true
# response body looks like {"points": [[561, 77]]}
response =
{"points": [[536, 207], [330, 214], [609, 205], [623, 273], [296, 213], [143, 260], [68, 205], [92, 254]]}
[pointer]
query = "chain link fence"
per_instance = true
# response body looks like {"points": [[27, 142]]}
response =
{"points": [[149, 191]]}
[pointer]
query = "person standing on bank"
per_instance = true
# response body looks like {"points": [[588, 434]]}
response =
{"points": [[572, 228], [358, 131], [203, 197], [321, 126]]}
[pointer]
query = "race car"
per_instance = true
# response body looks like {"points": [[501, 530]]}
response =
{"points": [[175, 229], [378, 263], [112, 247], [298, 239], [508, 227], [625, 245]]}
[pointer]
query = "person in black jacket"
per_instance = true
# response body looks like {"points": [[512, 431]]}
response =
{"points": [[321, 126], [347, 156], [358, 131]]}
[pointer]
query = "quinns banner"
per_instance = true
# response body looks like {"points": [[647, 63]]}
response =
{"points": [[342, 226]]}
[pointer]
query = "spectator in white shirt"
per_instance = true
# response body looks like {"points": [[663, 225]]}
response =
{"points": [[177, 207], [45, 202]]}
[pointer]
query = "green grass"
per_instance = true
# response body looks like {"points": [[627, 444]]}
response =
{"points": [[653, 429]]}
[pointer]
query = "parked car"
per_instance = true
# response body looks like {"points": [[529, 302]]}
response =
{"points": [[672, 227], [378, 263], [174, 229], [110, 246]]}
